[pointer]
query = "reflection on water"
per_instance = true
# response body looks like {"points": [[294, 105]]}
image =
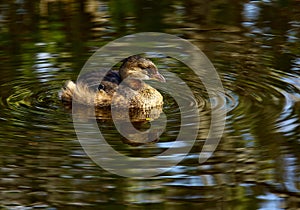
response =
{"points": [[254, 46]]}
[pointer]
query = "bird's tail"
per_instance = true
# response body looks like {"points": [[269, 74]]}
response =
{"points": [[77, 92]]}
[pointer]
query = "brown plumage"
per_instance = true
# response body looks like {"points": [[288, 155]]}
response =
{"points": [[123, 88]]}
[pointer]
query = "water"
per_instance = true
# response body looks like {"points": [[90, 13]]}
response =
{"points": [[254, 45]]}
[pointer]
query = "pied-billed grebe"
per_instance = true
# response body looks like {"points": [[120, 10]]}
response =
{"points": [[123, 88]]}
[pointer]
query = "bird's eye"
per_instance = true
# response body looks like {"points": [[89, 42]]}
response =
{"points": [[101, 87]]}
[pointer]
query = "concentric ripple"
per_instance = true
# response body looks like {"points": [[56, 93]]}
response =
{"points": [[32, 104]]}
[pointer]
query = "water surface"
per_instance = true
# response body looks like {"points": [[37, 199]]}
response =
{"points": [[254, 46]]}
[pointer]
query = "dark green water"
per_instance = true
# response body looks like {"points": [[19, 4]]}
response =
{"points": [[254, 46]]}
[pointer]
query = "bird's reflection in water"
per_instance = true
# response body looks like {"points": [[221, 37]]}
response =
{"points": [[136, 126]]}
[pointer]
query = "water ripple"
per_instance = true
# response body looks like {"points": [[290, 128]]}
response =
{"points": [[32, 104]]}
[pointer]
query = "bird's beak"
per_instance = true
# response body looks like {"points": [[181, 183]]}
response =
{"points": [[158, 77]]}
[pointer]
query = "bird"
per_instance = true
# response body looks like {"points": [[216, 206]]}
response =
{"points": [[123, 88]]}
